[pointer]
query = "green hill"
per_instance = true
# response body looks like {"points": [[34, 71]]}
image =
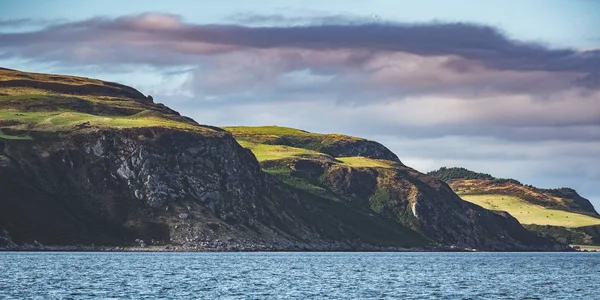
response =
{"points": [[330, 144], [31, 102], [560, 213], [85, 161], [366, 175], [531, 214]]}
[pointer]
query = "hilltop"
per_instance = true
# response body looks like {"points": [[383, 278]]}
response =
{"points": [[364, 174], [330, 144], [561, 213], [89, 162], [32, 103]]}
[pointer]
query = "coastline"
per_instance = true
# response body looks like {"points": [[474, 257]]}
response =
{"points": [[191, 249]]}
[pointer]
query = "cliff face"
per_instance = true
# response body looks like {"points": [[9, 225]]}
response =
{"points": [[64, 189], [166, 186], [415, 200], [84, 161]]}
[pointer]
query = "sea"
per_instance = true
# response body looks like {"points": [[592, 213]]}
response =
{"points": [[299, 275]]}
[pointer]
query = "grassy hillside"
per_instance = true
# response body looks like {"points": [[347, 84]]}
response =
{"points": [[528, 213], [56, 190], [361, 174], [548, 198], [42, 102], [273, 152], [450, 174], [364, 162], [321, 190], [269, 143], [558, 213], [336, 145]]}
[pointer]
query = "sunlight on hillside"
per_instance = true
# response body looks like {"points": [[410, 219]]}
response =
{"points": [[359, 161], [528, 213], [271, 152], [66, 120]]}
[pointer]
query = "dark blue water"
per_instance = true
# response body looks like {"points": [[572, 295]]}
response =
{"points": [[299, 275]]}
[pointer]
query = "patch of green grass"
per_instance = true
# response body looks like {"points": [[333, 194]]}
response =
{"points": [[285, 175], [19, 75], [267, 130], [528, 213], [365, 162], [13, 137], [67, 120], [278, 171], [272, 152], [289, 137]]}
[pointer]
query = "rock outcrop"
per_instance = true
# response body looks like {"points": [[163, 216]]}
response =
{"points": [[166, 186], [422, 203]]}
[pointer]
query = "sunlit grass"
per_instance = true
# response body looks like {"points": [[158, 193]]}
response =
{"points": [[6, 75], [266, 130], [528, 213], [13, 137], [9, 93], [359, 162], [265, 152], [67, 120]]}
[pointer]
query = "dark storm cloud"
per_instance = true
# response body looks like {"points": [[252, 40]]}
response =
{"points": [[168, 34]]}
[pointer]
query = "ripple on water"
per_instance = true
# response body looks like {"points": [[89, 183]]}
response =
{"points": [[299, 275]]}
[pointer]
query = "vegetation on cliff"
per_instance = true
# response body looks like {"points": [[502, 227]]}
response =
{"points": [[558, 213], [385, 187], [84, 161], [31, 102]]}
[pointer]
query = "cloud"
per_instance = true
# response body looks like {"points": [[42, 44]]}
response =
{"points": [[314, 18], [28, 22], [15, 22], [157, 34]]}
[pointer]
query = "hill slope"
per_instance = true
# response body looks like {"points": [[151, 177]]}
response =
{"points": [[83, 161], [385, 186], [544, 210]]}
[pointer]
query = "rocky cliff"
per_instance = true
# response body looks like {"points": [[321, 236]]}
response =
{"points": [[90, 162], [390, 189]]}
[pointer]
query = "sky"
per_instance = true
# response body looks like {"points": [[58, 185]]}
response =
{"points": [[510, 88]]}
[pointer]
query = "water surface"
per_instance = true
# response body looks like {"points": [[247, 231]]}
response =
{"points": [[61, 275]]}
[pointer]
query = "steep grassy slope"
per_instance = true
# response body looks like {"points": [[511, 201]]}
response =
{"points": [[560, 213], [528, 213], [385, 187], [83, 161], [57, 103], [330, 144]]}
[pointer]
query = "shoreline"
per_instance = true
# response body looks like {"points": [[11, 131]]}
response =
{"points": [[184, 249]]}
